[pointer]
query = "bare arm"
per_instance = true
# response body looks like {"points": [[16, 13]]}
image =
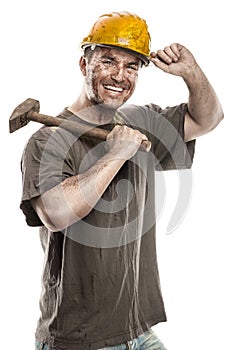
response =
{"points": [[204, 109], [75, 197]]}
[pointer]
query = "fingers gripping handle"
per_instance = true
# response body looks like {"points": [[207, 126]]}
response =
{"points": [[145, 146]]}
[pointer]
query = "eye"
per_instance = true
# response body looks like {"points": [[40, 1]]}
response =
{"points": [[107, 62], [133, 67]]}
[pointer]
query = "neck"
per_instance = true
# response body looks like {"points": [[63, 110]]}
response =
{"points": [[91, 113]]}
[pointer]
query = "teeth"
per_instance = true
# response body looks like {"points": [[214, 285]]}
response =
{"points": [[114, 88]]}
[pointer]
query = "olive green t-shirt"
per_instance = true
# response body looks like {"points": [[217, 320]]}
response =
{"points": [[100, 284]]}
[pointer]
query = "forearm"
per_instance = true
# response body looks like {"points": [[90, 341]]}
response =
{"points": [[76, 196], [204, 109], [203, 105]]}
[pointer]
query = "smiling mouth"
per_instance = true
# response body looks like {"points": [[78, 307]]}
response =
{"points": [[113, 88]]}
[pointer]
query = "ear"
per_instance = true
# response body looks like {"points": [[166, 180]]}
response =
{"points": [[83, 65]]}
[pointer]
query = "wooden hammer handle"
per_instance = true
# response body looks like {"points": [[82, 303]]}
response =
{"points": [[76, 127]]}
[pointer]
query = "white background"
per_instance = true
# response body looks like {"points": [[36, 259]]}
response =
{"points": [[39, 59]]}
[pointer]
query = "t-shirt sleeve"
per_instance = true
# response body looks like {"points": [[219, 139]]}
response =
{"points": [[45, 163], [169, 147]]}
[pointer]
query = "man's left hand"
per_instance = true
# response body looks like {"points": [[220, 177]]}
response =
{"points": [[174, 59]]}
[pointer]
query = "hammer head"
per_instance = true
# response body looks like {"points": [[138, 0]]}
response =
{"points": [[19, 117]]}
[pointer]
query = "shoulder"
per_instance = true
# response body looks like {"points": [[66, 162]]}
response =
{"points": [[138, 115], [132, 111], [150, 115]]}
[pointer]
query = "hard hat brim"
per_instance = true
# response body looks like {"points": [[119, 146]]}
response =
{"points": [[143, 58]]}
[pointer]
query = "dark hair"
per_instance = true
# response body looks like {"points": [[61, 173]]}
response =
{"points": [[88, 53]]}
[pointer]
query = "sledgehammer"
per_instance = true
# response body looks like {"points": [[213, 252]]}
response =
{"points": [[29, 110]]}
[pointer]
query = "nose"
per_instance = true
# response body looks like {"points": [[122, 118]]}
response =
{"points": [[118, 74]]}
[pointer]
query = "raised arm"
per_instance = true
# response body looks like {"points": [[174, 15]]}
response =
{"points": [[204, 109], [75, 197]]}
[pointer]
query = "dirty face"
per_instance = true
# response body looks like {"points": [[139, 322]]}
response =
{"points": [[110, 76]]}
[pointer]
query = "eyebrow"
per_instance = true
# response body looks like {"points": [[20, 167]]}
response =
{"points": [[111, 58], [108, 57]]}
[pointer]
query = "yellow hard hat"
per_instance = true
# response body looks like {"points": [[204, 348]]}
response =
{"points": [[121, 29]]}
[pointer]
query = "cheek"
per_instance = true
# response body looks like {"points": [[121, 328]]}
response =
{"points": [[92, 84], [92, 76], [133, 84]]}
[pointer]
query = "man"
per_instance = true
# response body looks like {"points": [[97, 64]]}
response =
{"points": [[94, 201]]}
